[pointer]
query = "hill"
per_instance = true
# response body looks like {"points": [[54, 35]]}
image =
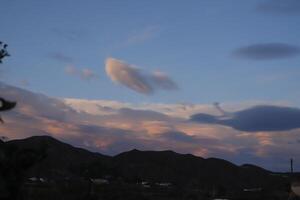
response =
{"points": [[58, 158], [62, 159], [55, 161]]}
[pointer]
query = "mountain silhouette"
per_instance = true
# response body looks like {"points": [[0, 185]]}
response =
{"points": [[187, 169], [60, 159], [63, 160]]}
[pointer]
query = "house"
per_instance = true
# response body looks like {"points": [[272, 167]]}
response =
{"points": [[296, 188], [36, 179]]}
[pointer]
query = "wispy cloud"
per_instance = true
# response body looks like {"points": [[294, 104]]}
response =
{"points": [[60, 57], [84, 74], [136, 79], [70, 34], [24, 83], [142, 35], [287, 7], [267, 51], [138, 36]]}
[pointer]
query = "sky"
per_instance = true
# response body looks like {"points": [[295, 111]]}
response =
{"points": [[115, 75]]}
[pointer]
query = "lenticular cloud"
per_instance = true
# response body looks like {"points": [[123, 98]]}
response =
{"points": [[136, 79]]}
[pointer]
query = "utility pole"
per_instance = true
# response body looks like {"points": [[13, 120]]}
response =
{"points": [[292, 166]]}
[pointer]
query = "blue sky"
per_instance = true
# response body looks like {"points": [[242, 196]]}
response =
{"points": [[119, 75], [191, 42]]}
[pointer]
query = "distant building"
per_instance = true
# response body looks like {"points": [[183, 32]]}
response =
{"points": [[252, 189], [99, 181], [42, 180], [220, 199], [164, 184], [36, 179], [145, 184], [33, 179]]}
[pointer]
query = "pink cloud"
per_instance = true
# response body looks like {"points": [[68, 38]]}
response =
{"points": [[123, 126]]}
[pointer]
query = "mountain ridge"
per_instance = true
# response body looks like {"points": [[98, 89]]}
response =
{"points": [[63, 160]]}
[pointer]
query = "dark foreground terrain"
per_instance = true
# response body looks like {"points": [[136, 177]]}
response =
{"points": [[41, 167]]}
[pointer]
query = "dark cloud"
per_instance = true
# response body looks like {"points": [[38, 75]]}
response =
{"points": [[161, 80], [100, 130], [280, 7], [179, 136], [205, 118], [267, 51], [38, 105], [218, 107], [106, 108], [91, 129], [258, 118], [61, 57]]}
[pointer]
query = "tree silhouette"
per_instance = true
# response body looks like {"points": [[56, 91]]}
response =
{"points": [[5, 105], [3, 52], [14, 162]]}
